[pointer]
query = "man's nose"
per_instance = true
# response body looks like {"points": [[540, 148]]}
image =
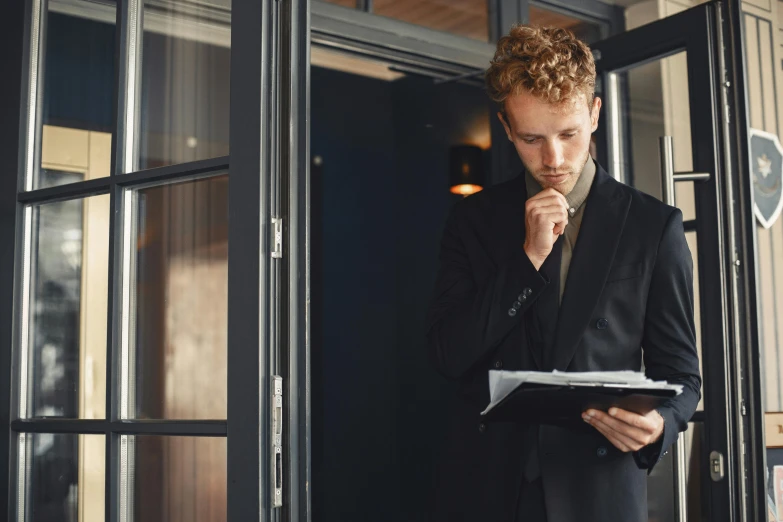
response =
{"points": [[553, 155]]}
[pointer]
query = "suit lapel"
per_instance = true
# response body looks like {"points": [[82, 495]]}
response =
{"points": [[602, 225]]}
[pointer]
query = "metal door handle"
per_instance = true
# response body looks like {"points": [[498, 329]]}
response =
{"points": [[669, 176]]}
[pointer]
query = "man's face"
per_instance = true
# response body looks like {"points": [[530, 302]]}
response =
{"points": [[553, 141]]}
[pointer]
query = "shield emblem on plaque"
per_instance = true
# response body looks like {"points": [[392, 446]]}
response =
{"points": [[766, 165]]}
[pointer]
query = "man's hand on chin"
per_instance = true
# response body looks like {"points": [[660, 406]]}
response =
{"points": [[628, 431]]}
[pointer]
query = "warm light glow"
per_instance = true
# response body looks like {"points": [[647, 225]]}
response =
{"points": [[478, 132], [465, 190]]}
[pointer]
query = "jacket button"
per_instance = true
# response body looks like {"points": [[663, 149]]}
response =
{"points": [[526, 292], [601, 452], [601, 324], [498, 364], [517, 305], [482, 427], [522, 298], [512, 312]]}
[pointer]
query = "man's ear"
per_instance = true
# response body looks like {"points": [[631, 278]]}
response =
{"points": [[505, 125], [595, 113]]}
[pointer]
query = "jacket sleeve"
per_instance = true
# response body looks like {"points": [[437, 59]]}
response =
{"points": [[669, 340], [467, 319]]}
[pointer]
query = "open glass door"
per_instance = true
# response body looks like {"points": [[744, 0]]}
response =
{"points": [[662, 87], [141, 271]]}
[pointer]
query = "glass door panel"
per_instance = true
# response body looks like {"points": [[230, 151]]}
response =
{"points": [[658, 80]]}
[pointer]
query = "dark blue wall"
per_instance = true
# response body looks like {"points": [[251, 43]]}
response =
{"points": [[379, 203], [357, 472]]}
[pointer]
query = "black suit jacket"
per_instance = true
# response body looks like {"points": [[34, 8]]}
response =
{"points": [[631, 266]]}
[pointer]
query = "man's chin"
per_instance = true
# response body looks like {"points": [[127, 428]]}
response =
{"points": [[563, 185]]}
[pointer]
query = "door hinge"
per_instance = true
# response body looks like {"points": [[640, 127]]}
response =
{"points": [[277, 441], [277, 238]]}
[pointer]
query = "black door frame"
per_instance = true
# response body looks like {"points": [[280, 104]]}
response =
{"points": [[697, 31]]}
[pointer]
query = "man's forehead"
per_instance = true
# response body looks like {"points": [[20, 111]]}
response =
{"points": [[547, 119]]}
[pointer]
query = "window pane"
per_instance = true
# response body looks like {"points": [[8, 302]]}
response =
{"points": [[181, 285], [78, 89], [586, 31], [185, 81], [69, 293], [460, 17], [176, 479], [641, 12], [65, 477]]}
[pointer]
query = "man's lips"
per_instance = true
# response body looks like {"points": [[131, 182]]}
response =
{"points": [[556, 178]]}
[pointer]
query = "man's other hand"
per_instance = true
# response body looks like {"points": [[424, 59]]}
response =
{"points": [[628, 431]]}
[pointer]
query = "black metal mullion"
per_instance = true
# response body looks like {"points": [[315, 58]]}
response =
{"points": [[750, 332], [610, 18], [13, 27], [364, 5], [504, 162], [98, 186], [204, 428], [112, 377], [80, 189], [173, 172]]}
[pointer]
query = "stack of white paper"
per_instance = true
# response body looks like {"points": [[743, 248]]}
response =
{"points": [[502, 383]]}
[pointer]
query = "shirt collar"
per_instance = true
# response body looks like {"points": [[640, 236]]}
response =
{"points": [[578, 194]]}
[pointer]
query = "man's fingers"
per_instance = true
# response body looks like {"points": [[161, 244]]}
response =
{"points": [[538, 201], [635, 436], [628, 442], [557, 221], [638, 435], [548, 209], [551, 192], [634, 419], [610, 436]]}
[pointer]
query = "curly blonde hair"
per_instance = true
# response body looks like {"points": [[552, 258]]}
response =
{"points": [[549, 62]]}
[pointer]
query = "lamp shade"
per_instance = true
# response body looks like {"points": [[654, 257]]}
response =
{"points": [[466, 169]]}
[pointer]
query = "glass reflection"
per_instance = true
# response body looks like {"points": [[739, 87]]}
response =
{"points": [[68, 310], [78, 89], [181, 285], [185, 81], [178, 479], [65, 477]]}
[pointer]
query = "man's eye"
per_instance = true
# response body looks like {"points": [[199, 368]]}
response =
{"points": [[568, 136], [530, 141]]}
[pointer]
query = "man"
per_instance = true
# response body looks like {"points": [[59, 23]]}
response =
{"points": [[562, 268]]}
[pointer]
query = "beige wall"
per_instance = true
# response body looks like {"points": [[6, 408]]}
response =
{"points": [[763, 28]]}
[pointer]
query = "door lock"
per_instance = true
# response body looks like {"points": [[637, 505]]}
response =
{"points": [[716, 466]]}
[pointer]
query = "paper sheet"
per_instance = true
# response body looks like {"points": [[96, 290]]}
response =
{"points": [[502, 383]]}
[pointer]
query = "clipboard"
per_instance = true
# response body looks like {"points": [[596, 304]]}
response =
{"points": [[556, 404]]}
